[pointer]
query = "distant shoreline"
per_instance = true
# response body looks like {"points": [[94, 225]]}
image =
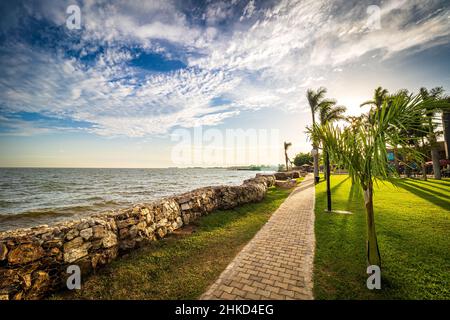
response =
{"points": [[263, 168]]}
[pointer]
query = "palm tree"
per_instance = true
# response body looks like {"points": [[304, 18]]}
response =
{"points": [[381, 95], [431, 96], [286, 147], [314, 99], [361, 148], [328, 113]]}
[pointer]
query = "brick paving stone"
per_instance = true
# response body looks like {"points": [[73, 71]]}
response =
{"points": [[278, 262]]}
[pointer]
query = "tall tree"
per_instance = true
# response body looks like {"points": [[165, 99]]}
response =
{"points": [[429, 97], [303, 158], [381, 95], [314, 99], [328, 113], [286, 158]]}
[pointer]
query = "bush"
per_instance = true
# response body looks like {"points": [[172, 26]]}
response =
{"points": [[303, 158]]}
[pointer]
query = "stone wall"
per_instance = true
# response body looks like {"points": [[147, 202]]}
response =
{"points": [[289, 175], [34, 261]]}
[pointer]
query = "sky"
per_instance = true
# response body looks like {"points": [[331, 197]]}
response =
{"points": [[199, 83]]}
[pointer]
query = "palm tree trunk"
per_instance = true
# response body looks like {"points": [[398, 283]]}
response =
{"points": [[436, 164], [373, 253], [424, 166], [286, 159], [327, 164], [315, 153], [434, 152], [316, 164], [424, 171], [446, 127]]}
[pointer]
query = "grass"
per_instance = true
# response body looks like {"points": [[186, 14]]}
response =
{"points": [[413, 228], [182, 266]]}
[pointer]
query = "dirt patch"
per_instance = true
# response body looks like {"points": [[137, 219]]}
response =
{"points": [[184, 231]]}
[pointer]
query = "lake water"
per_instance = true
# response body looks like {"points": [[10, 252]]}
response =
{"points": [[33, 196]]}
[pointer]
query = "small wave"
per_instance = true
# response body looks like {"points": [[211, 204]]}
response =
{"points": [[65, 211]]}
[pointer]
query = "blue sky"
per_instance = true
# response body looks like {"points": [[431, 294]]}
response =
{"points": [[112, 93]]}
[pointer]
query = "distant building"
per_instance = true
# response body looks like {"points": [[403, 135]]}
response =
{"points": [[441, 149]]}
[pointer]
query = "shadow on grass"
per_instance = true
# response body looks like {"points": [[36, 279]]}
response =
{"points": [[354, 197], [425, 194], [444, 181], [337, 186], [430, 184]]}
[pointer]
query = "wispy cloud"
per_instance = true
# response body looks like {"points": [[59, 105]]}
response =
{"points": [[252, 54]]}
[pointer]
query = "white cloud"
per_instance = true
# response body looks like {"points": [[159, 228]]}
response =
{"points": [[267, 63]]}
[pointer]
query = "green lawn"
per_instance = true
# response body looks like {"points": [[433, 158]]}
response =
{"points": [[181, 266], [413, 228]]}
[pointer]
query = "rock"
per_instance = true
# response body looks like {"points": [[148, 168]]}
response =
{"points": [[162, 223], [282, 175], [186, 218], [9, 278], [109, 240], [83, 225], [76, 253], [112, 224], [136, 209], [73, 244], [150, 230], [125, 223], [3, 251], [86, 234], [54, 243], [179, 222], [98, 232], [97, 244], [185, 206], [47, 236], [149, 218], [54, 251], [161, 232], [97, 259], [123, 233], [18, 296], [26, 279], [72, 234], [132, 232], [75, 249], [25, 253], [286, 184], [40, 282], [141, 226]]}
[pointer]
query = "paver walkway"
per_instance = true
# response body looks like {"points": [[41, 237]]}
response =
{"points": [[278, 262]]}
